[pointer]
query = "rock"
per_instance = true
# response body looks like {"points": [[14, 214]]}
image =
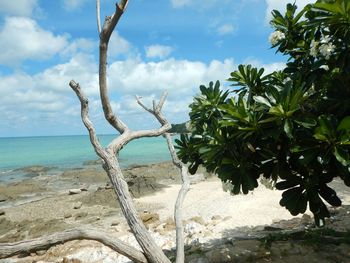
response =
{"points": [[198, 219], [216, 217], [67, 215], [71, 260], [115, 223], [40, 252], [3, 198], [2, 213], [149, 218], [80, 215], [74, 191], [77, 205]]}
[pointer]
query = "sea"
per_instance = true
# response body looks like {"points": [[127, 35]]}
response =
{"points": [[59, 153]]}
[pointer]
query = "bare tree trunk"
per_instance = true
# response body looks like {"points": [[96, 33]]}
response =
{"points": [[180, 248], [11, 249], [152, 252]]}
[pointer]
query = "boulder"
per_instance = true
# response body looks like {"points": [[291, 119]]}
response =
{"points": [[74, 191]]}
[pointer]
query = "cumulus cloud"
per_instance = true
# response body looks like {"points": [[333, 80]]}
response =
{"points": [[22, 39], [118, 45], [280, 5], [178, 76], [269, 68], [225, 29], [79, 45], [158, 51], [18, 7]]}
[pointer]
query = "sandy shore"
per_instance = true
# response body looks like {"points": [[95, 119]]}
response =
{"points": [[46, 204]]}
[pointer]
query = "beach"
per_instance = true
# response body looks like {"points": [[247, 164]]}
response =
{"points": [[43, 205]]}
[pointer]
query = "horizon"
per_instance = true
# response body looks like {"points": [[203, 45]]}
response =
{"points": [[184, 44]]}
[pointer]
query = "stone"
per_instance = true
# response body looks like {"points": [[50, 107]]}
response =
{"points": [[40, 252], [67, 215], [80, 215], [115, 223], [74, 191], [216, 217], [2, 212], [77, 205], [3, 198], [149, 218], [198, 219]]}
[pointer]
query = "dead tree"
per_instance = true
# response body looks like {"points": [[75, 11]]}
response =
{"points": [[151, 252]]}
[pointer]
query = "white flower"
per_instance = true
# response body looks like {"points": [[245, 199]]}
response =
{"points": [[313, 48], [326, 50], [276, 37], [325, 67], [325, 39]]}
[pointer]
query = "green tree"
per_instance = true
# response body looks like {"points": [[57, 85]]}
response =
{"points": [[292, 126]]}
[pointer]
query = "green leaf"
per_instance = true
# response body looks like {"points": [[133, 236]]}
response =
{"points": [[342, 156], [262, 100], [344, 124], [277, 110], [330, 195], [288, 128], [306, 122]]}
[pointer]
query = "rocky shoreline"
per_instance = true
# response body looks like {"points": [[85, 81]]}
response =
{"points": [[218, 227]]}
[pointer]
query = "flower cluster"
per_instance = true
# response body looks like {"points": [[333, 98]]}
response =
{"points": [[324, 47], [276, 37]]}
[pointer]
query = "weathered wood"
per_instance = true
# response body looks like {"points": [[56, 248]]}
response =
{"points": [[111, 165], [180, 247], [45, 242]]}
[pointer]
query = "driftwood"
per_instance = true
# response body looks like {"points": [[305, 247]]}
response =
{"points": [[45, 242]]}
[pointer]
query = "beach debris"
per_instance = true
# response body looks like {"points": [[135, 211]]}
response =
{"points": [[74, 191], [77, 205], [2, 212]]}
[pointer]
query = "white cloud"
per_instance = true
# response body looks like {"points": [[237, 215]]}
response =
{"points": [[177, 76], [280, 5], [79, 45], [73, 4], [269, 68], [118, 45], [18, 7], [158, 51], [225, 29], [22, 39]]}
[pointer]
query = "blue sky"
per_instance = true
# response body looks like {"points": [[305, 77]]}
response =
{"points": [[173, 45]]}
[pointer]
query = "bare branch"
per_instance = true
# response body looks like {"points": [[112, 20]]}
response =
{"points": [[180, 249], [45, 242], [98, 16], [86, 120], [129, 135], [107, 29]]}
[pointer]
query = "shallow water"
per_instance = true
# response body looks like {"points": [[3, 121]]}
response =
{"points": [[66, 152]]}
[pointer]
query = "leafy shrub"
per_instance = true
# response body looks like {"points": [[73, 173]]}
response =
{"points": [[292, 126]]}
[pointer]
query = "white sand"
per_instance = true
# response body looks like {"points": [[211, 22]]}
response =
{"points": [[207, 199]]}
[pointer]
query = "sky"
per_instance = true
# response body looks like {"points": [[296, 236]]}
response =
{"points": [[158, 45]]}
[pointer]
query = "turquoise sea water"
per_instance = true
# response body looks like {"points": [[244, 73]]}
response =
{"points": [[64, 152]]}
